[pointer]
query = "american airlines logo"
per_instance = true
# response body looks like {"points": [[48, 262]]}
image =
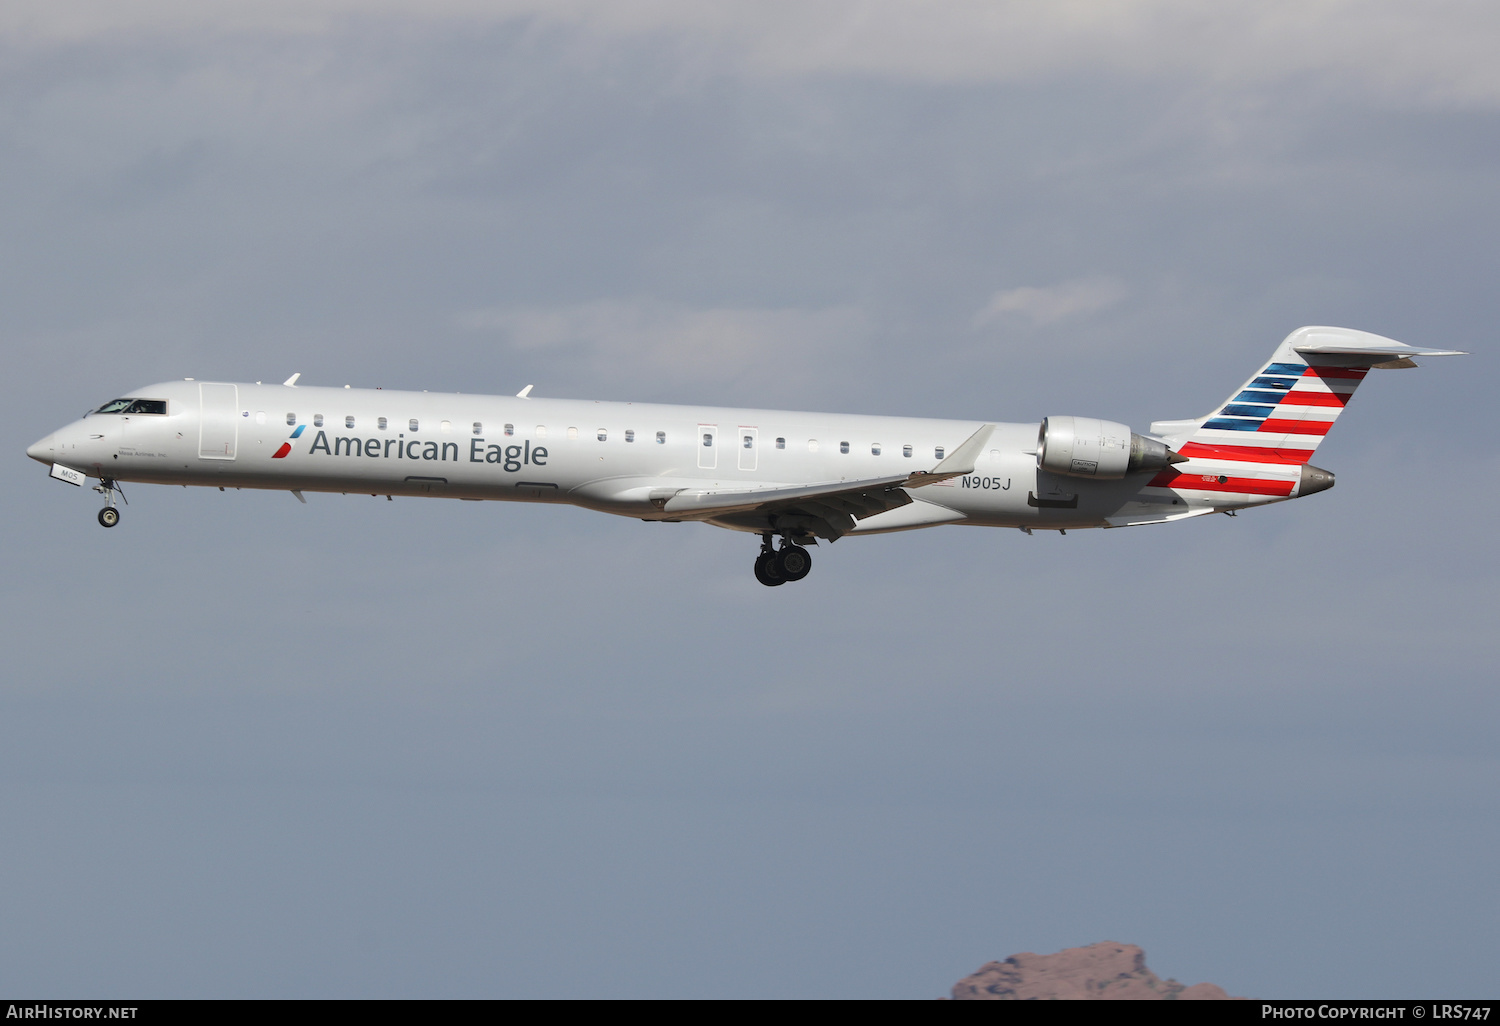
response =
{"points": [[511, 458], [286, 447]]}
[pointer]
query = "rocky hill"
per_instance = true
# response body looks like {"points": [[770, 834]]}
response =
{"points": [[1105, 971]]}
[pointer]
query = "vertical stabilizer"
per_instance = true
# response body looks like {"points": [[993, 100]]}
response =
{"points": [[1287, 407]]}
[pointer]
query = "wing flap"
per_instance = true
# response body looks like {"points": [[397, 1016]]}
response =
{"points": [[1146, 516], [861, 496]]}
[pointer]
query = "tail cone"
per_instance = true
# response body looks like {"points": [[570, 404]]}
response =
{"points": [[1314, 480]]}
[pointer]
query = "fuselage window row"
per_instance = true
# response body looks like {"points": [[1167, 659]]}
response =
{"points": [[150, 406], [602, 434]]}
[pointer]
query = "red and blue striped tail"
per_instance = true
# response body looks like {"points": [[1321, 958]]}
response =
{"points": [[1281, 414]]}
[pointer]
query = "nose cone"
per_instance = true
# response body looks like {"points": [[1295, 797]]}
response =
{"points": [[41, 451]]}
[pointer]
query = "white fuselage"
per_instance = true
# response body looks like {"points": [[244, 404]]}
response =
{"points": [[622, 458]]}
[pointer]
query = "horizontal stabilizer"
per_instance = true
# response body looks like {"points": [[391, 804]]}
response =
{"points": [[1403, 351], [1349, 342]]}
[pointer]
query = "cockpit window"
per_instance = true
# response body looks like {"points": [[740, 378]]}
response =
{"points": [[134, 406]]}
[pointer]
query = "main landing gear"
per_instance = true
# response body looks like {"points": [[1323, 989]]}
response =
{"points": [[109, 516], [774, 567]]}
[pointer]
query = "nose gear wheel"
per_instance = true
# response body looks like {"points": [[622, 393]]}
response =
{"points": [[109, 516], [107, 486]]}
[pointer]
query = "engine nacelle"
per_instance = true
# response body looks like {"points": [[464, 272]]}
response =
{"points": [[1101, 449]]}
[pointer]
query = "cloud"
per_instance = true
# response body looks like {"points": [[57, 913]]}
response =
{"points": [[680, 344], [1076, 298], [1433, 53]]}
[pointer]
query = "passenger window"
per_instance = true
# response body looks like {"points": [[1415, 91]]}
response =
{"points": [[380, 423], [749, 441], [938, 452], [411, 425], [844, 448], [603, 434], [541, 430], [260, 416], [572, 434], [629, 435], [906, 451], [781, 443], [812, 445], [348, 422], [510, 429], [291, 420], [875, 449], [661, 438], [446, 427], [317, 420], [708, 439], [479, 428]]}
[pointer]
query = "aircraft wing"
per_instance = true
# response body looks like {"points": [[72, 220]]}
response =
{"points": [[867, 497], [837, 503]]}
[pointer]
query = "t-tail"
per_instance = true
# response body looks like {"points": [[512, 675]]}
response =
{"points": [[1245, 451]]}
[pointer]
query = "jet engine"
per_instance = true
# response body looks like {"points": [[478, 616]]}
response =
{"points": [[1101, 449]]}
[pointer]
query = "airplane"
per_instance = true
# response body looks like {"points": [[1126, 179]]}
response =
{"points": [[787, 476]]}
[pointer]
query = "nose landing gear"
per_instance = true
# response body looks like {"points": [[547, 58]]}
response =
{"points": [[774, 567], [109, 516]]}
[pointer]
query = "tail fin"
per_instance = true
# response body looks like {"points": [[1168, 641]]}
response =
{"points": [[1283, 412]]}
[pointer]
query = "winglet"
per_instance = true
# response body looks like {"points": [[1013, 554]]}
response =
{"points": [[524, 393], [292, 381], [959, 462]]}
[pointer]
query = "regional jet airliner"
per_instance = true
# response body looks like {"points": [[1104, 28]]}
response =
{"points": [[790, 478]]}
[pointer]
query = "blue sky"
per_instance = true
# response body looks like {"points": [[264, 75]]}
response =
{"points": [[418, 748]]}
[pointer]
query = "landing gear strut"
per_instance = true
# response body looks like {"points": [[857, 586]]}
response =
{"points": [[774, 567], [107, 487]]}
